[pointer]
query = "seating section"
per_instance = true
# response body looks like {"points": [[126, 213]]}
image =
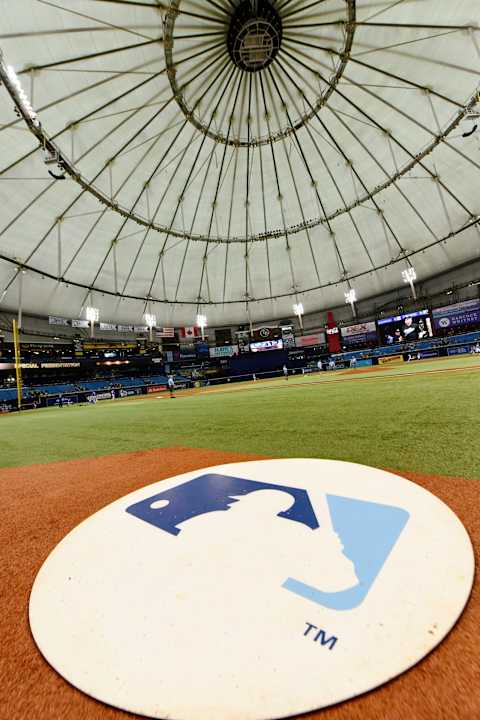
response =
{"points": [[8, 394]]}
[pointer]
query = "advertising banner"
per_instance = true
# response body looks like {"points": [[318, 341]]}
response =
{"points": [[428, 354], [309, 340], [459, 350], [140, 328], [78, 347], [288, 337], [243, 338], [390, 359], [333, 334], [24, 366], [80, 323], [463, 313], [188, 351], [125, 328], [202, 349], [60, 365], [129, 392], [421, 355], [224, 351], [360, 334], [155, 388], [364, 363], [266, 345], [266, 333], [70, 400], [52, 320], [107, 395], [107, 326]]}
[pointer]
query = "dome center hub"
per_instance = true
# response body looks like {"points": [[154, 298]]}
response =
{"points": [[255, 35]]}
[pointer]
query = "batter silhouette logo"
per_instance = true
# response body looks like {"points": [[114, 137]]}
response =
{"points": [[262, 587], [351, 543]]}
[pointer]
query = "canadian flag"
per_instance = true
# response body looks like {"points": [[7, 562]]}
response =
{"points": [[189, 332]]}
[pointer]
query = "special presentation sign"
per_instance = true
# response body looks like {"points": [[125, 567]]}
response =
{"points": [[252, 591]]}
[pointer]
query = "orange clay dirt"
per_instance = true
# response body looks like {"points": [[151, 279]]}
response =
{"points": [[41, 503]]}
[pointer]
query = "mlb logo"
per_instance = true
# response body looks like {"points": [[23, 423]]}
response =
{"points": [[350, 544], [262, 587]]}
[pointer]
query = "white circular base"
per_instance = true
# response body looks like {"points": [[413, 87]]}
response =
{"points": [[252, 591]]}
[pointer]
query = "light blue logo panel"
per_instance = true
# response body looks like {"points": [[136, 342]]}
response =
{"points": [[368, 532]]}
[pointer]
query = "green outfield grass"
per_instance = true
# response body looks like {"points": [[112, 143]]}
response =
{"points": [[421, 422]]}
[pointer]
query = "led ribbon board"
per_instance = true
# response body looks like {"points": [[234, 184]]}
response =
{"points": [[257, 590]]}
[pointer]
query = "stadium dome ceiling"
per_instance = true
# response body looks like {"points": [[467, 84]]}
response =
{"points": [[233, 156]]}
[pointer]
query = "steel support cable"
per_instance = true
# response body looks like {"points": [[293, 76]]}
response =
{"points": [[77, 93], [277, 181], [350, 164], [46, 141], [112, 26], [125, 181], [302, 8], [378, 69], [122, 148], [338, 148], [181, 155], [340, 194], [168, 44], [104, 291], [88, 56], [283, 5], [262, 181], [307, 167], [416, 159], [247, 185], [77, 198], [418, 124], [382, 168], [82, 192], [229, 78], [214, 61], [217, 188]]}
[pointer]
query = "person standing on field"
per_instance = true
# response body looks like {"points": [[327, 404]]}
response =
{"points": [[285, 372], [171, 385]]}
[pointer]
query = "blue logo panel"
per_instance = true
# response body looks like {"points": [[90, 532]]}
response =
{"points": [[211, 493], [368, 532]]}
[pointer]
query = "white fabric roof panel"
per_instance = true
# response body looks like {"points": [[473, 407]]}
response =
{"points": [[338, 164]]}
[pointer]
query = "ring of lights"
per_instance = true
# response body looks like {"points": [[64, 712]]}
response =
{"points": [[234, 48], [241, 301]]}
